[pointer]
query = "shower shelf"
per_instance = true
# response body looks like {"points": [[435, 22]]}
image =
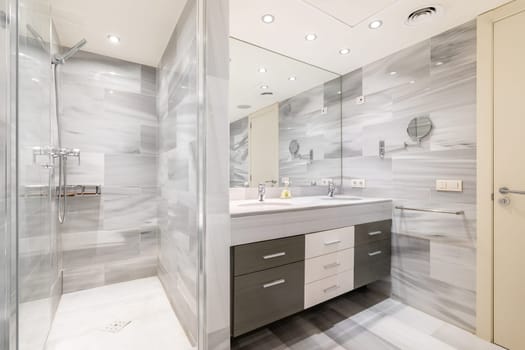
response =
{"points": [[71, 191]]}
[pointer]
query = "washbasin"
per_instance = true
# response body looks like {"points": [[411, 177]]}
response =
{"points": [[342, 199], [265, 204]]}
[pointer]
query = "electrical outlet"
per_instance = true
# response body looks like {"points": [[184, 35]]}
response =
{"points": [[358, 183], [449, 185], [326, 182]]}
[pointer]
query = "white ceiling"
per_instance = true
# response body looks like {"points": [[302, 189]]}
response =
{"points": [[246, 80], [144, 26], [344, 24]]}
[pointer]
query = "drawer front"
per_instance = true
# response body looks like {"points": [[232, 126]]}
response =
{"points": [[327, 242], [372, 262], [372, 232], [328, 288], [263, 297], [328, 265], [260, 256]]}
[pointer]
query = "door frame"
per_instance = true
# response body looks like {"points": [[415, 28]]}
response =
{"points": [[485, 165]]}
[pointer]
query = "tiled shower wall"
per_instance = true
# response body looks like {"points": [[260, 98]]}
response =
{"points": [[178, 166], [239, 161], [109, 113], [433, 266]]}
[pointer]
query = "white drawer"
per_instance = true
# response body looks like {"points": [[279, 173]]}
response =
{"points": [[327, 242], [328, 288], [328, 265]]}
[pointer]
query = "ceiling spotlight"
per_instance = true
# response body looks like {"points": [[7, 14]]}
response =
{"points": [[375, 24], [439, 63], [292, 78], [268, 18], [339, 92], [114, 39], [412, 82], [262, 70], [344, 51], [310, 37], [392, 73], [264, 87]]}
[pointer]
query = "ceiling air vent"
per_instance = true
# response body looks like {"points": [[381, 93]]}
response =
{"points": [[424, 14]]}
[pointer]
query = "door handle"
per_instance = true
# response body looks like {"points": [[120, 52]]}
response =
{"points": [[506, 190], [274, 283], [273, 256]]}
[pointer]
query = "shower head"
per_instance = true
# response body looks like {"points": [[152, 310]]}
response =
{"points": [[73, 50]]}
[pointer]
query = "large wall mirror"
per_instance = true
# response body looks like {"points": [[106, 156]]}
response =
{"points": [[285, 120]]}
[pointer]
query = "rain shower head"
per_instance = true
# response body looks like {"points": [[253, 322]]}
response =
{"points": [[73, 50]]}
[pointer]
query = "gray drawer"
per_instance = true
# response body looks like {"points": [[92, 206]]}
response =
{"points": [[267, 296], [372, 232], [371, 262], [260, 256]]}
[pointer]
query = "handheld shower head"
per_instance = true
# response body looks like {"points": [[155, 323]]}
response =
{"points": [[73, 50]]}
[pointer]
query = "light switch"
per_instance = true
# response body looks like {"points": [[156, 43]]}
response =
{"points": [[449, 185]]}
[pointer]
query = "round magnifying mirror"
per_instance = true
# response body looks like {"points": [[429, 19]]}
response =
{"points": [[293, 147], [419, 128]]}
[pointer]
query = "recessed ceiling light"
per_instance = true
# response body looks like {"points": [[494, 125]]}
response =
{"points": [[292, 78], [36, 80], [111, 92], [375, 24], [114, 39], [268, 18], [393, 73], [339, 92], [310, 37], [264, 87], [439, 63], [412, 81], [262, 70], [344, 51]]}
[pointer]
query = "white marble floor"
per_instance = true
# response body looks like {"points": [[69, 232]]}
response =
{"points": [[361, 320], [83, 320]]}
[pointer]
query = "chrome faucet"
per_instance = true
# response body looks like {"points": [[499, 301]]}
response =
{"points": [[331, 189], [261, 191]]}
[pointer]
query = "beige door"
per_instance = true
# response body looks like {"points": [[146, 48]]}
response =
{"points": [[264, 146], [509, 172]]}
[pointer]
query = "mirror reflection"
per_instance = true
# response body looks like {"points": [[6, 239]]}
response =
{"points": [[285, 119], [419, 128]]}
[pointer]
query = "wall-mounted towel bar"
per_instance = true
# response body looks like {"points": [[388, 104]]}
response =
{"points": [[71, 191], [439, 211]]}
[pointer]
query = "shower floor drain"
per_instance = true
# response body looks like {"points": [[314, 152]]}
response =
{"points": [[116, 326]]}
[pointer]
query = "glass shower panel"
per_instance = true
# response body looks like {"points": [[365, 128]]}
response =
{"points": [[39, 271], [7, 232]]}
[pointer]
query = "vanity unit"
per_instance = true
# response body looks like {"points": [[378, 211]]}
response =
{"points": [[289, 257]]}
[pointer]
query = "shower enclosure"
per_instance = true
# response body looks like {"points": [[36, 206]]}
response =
{"points": [[192, 173]]}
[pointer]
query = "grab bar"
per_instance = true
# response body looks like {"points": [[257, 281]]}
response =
{"points": [[438, 211]]}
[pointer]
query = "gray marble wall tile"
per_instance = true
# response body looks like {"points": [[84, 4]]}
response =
{"points": [[109, 112], [433, 265], [177, 175], [239, 161], [312, 118]]}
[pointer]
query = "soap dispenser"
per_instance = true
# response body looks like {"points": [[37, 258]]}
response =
{"points": [[286, 193]]}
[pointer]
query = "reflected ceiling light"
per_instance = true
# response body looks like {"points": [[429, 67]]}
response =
{"points": [[268, 18], [412, 81], [292, 78], [375, 24], [264, 87], [392, 73], [114, 39], [310, 37], [36, 80], [439, 63], [344, 51], [262, 70], [339, 92]]}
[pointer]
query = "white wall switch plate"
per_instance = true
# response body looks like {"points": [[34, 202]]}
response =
{"points": [[358, 183], [449, 185]]}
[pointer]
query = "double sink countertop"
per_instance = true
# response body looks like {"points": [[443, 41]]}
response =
{"points": [[254, 221]]}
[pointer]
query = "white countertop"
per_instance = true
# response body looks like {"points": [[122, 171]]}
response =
{"points": [[252, 207]]}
